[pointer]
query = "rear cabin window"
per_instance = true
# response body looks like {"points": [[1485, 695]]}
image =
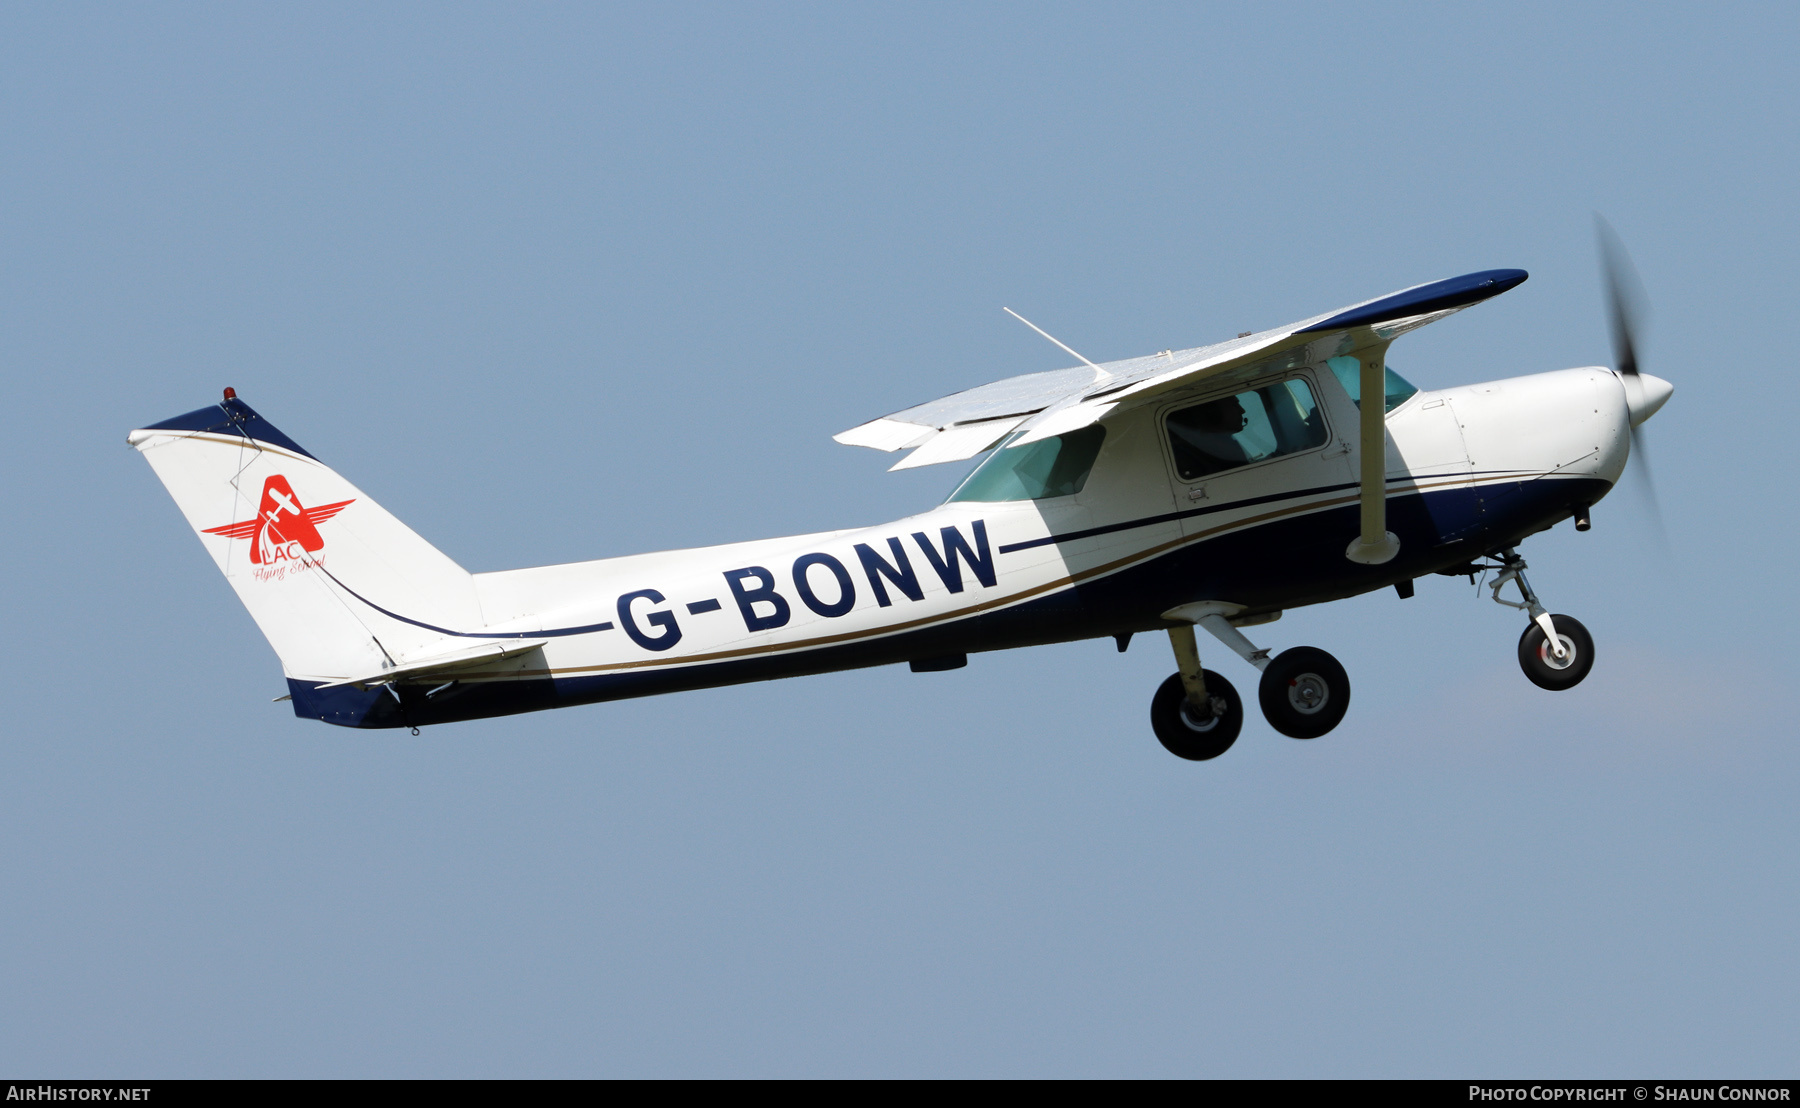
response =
{"points": [[1049, 467], [1349, 374], [1250, 427]]}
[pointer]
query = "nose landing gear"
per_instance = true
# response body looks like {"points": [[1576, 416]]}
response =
{"points": [[1197, 714], [1543, 667], [1556, 652]]}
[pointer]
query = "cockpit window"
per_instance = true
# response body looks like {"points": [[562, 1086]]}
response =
{"points": [[1049, 467], [1349, 374], [1236, 430]]}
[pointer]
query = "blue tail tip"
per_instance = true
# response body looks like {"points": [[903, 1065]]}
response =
{"points": [[231, 416]]}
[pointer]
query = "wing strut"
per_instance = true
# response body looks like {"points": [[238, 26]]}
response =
{"points": [[1376, 544]]}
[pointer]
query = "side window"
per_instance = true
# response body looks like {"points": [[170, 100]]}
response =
{"points": [[1232, 431], [1349, 374]]}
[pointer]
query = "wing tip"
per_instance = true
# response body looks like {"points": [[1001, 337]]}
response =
{"points": [[1450, 294]]}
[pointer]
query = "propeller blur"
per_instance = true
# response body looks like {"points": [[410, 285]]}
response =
{"points": [[1625, 312]]}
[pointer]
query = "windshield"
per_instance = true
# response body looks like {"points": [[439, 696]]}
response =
{"points": [[1049, 467], [1349, 374]]}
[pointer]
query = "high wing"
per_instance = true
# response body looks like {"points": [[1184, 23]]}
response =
{"points": [[1043, 405]]}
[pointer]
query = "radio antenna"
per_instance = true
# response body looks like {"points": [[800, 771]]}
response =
{"points": [[1104, 376]]}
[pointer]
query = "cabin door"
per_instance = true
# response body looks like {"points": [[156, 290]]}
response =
{"points": [[1263, 453]]}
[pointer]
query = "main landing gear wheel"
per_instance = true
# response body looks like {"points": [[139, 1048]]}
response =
{"points": [[1182, 730], [1541, 664], [1304, 692]]}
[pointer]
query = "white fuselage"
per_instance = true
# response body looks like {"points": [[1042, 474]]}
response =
{"points": [[376, 627], [793, 596]]}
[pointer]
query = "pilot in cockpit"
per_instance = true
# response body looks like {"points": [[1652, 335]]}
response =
{"points": [[1206, 432]]}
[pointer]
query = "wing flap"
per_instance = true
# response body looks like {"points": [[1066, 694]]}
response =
{"points": [[958, 443], [885, 434], [1012, 396], [1062, 419]]}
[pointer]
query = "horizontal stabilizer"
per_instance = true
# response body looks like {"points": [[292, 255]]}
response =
{"points": [[443, 665]]}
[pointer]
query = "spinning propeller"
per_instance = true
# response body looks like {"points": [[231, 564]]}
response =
{"points": [[1644, 394]]}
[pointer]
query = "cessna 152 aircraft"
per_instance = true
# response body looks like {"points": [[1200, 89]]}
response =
{"points": [[1208, 488]]}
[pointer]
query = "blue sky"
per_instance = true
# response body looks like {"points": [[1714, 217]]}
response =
{"points": [[555, 283]]}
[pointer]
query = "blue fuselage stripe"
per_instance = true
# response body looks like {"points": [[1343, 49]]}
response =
{"points": [[554, 632], [1211, 509], [1007, 548]]}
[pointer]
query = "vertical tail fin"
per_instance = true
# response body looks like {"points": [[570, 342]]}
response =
{"points": [[338, 586]]}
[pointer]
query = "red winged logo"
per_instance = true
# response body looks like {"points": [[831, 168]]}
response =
{"points": [[281, 522]]}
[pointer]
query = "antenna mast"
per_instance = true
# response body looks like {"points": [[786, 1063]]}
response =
{"points": [[1103, 375]]}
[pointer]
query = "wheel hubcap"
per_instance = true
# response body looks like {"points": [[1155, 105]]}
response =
{"points": [[1194, 720], [1550, 659], [1308, 693]]}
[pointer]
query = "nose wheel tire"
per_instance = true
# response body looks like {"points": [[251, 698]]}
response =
{"points": [[1188, 734], [1304, 692], [1543, 667]]}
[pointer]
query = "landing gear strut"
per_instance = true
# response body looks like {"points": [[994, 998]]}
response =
{"points": [[1196, 713], [1304, 692], [1555, 651]]}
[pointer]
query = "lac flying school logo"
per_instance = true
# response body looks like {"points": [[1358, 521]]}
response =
{"points": [[284, 532]]}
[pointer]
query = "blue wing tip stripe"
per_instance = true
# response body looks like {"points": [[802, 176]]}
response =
{"points": [[231, 417], [1457, 292]]}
